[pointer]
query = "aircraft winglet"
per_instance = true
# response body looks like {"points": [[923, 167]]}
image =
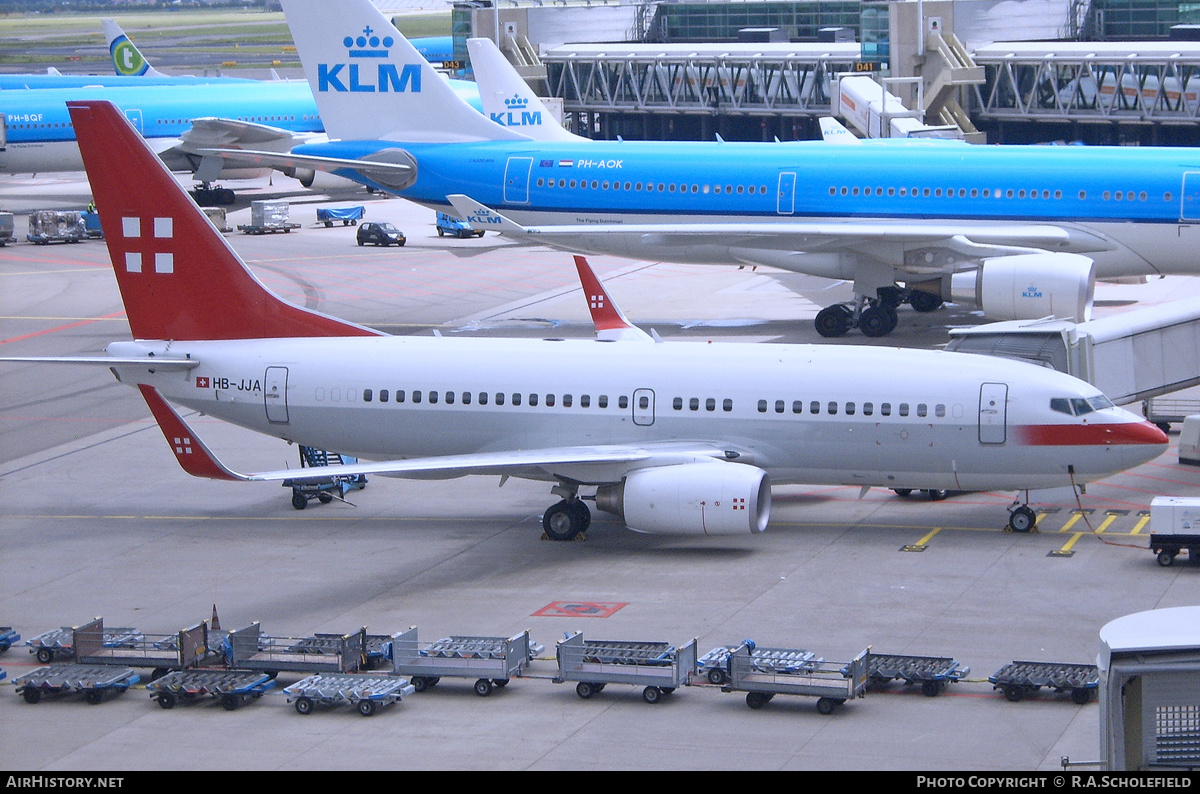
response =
{"points": [[193, 455], [481, 217], [611, 323]]}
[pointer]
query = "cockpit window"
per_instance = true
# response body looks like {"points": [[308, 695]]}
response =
{"points": [[1079, 406]]}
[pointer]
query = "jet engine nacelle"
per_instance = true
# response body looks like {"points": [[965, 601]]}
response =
{"points": [[322, 180], [1028, 287], [708, 498]]}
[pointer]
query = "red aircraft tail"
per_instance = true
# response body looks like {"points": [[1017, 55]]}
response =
{"points": [[179, 279]]}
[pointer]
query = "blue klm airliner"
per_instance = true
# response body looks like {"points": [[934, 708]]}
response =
{"points": [[1020, 232]]}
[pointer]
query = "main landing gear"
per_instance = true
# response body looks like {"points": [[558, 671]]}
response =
{"points": [[208, 195], [876, 316], [1021, 518], [567, 520]]}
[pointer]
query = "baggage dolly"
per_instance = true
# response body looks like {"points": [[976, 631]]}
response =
{"points": [[94, 681], [832, 683], [364, 692], [714, 665], [1021, 679], [232, 688], [59, 644], [8, 638], [491, 661], [658, 666], [933, 673], [250, 649], [348, 216]]}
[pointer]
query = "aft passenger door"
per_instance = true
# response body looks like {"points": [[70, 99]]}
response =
{"points": [[785, 201], [993, 413], [516, 180], [275, 395]]}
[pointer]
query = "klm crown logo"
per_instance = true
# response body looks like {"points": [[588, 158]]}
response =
{"points": [[386, 77], [515, 114]]}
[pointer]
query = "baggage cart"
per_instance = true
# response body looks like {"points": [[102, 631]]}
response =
{"points": [[268, 217], [1174, 528], [933, 673], [59, 644], [186, 648], [7, 228], [8, 638], [348, 216], [714, 665], [832, 683], [324, 490], [56, 226], [231, 687], [1023, 679], [659, 667], [218, 218], [364, 692], [491, 661], [96, 682], [250, 649]]}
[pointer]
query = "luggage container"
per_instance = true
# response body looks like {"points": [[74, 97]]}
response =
{"points": [[91, 225], [366, 693], [714, 665], [491, 661], [232, 688], [1174, 527], [250, 649], [659, 667], [7, 230], [832, 683], [96, 682], [56, 226], [933, 673], [218, 218], [268, 217], [347, 216], [1023, 679]]}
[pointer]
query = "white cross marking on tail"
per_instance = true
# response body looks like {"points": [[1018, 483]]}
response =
{"points": [[597, 301], [183, 446], [164, 229]]}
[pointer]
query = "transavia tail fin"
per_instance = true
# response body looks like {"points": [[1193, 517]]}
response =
{"points": [[127, 60], [611, 323], [178, 276], [507, 98], [370, 83]]}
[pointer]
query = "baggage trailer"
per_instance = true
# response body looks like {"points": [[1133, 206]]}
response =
{"points": [[349, 216], [832, 683], [714, 665], [1022, 679], [364, 692], [59, 644], [7, 228], [324, 489], [56, 226], [491, 661], [231, 687], [933, 673], [1174, 527], [250, 649], [658, 666], [163, 652], [95, 681], [268, 217], [8, 638]]}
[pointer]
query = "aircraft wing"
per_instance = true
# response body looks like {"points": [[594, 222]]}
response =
{"points": [[590, 464], [384, 172], [971, 241]]}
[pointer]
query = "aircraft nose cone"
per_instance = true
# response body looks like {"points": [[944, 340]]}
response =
{"points": [[1143, 433]]}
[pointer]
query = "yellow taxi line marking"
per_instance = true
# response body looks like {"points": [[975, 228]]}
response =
{"points": [[1141, 523]]}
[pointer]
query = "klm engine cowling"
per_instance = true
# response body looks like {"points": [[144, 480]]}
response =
{"points": [[709, 498], [1028, 287]]}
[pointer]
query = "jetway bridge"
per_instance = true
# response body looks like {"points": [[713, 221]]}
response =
{"points": [[757, 79], [1098, 82]]}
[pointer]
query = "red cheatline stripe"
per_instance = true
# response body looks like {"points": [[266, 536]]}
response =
{"points": [[62, 328], [1091, 435]]}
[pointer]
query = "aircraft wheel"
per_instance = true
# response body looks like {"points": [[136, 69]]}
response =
{"points": [[834, 321], [1022, 519], [924, 302], [565, 520], [878, 321]]}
